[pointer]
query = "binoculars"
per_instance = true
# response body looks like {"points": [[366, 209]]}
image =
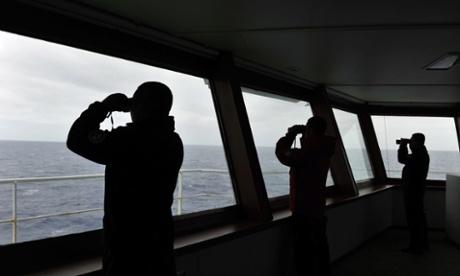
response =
{"points": [[402, 140]]}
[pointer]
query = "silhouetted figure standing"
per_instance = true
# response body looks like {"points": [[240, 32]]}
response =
{"points": [[413, 186], [309, 166], [142, 162]]}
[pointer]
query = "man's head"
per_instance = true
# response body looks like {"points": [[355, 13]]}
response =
{"points": [[417, 141], [316, 125], [151, 100]]}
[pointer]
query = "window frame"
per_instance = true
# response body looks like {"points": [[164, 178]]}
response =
{"points": [[307, 93], [360, 183], [365, 111], [446, 111], [435, 114], [277, 97], [114, 44]]}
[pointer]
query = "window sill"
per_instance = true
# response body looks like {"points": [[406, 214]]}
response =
{"points": [[193, 241]]}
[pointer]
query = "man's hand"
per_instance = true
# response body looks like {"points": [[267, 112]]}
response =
{"points": [[117, 102]]}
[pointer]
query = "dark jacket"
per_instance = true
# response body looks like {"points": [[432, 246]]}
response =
{"points": [[415, 170], [309, 166], [142, 164]]}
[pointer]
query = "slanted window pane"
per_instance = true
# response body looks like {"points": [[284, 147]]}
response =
{"points": [[440, 141], [352, 136], [270, 116], [44, 88], [204, 175]]}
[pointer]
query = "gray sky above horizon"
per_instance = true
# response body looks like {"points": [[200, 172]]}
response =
{"points": [[44, 87]]}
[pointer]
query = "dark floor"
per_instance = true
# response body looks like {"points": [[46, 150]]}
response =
{"points": [[383, 256]]}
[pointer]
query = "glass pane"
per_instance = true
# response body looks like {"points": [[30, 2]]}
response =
{"points": [[352, 136], [270, 116], [45, 87], [440, 141]]}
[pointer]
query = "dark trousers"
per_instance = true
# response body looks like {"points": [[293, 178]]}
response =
{"points": [[416, 219], [311, 246]]}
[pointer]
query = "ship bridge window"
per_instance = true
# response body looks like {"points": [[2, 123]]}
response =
{"points": [[204, 180], [270, 116], [352, 136], [45, 189], [440, 141]]}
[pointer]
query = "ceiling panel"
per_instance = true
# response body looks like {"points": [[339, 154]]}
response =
{"points": [[412, 94], [371, 50]]}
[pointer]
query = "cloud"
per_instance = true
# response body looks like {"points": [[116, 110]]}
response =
{"points": [[44, 87]]}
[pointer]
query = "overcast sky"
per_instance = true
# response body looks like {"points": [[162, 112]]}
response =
{"points": [[44, 87]]}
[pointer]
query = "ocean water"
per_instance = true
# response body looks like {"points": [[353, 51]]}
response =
{"points": [[206, 184]]}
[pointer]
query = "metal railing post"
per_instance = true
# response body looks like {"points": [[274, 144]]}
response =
{"points": [[179, 194], [15, 208]]}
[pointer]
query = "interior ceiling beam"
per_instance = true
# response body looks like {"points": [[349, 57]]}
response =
{"points": [[340, 28]]}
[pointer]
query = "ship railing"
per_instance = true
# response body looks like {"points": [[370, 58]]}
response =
{"points": [[179, 198], [14, 220]]}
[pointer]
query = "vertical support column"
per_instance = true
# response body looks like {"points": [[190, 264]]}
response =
{"points": [[241, 152], [457, 124], [341, 170], [373, 149]]}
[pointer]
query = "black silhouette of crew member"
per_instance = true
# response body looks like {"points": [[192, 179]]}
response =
{"points": [[413, 186], [142, 161], [309, 166]]}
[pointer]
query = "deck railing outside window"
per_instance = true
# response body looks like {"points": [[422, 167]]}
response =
{"points": [[15, 219]]}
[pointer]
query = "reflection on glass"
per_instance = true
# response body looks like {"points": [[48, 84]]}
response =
{"points": [[440, 141], [45, 87], [270, 116], [352, 136]]}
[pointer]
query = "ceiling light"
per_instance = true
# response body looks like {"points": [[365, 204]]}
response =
{"points": [[444, 63]]}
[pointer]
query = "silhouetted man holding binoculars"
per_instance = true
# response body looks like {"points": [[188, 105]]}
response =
{"points": [[142, 162], [413, 177], [309, 166]]}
